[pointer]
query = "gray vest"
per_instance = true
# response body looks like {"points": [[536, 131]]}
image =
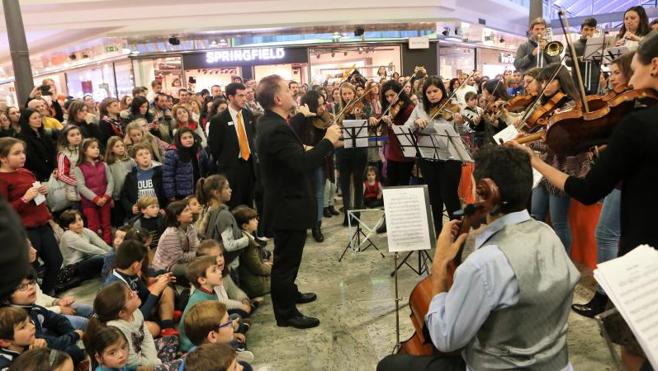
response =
{"points": [[531, 335]]}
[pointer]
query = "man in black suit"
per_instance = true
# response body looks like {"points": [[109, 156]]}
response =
{"points": [[289, 202], [231, 141]]}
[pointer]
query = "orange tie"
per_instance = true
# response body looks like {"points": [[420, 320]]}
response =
{"points": [[242, 139]]}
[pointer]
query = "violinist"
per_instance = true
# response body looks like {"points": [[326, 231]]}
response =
{"points": [[351, 162], [311, 123], [503, 300], [587, 29], [631, 158], [398, 167], [441, 176], [608, 227], [545, 196], [495, 116]]}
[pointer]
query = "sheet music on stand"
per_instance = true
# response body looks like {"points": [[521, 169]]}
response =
{"points": [[355, 133], [407, 140], [631, 283], [435, 142], [613, 53]]}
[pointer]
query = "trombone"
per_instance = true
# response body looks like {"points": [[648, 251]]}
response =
{"points": [[552, 48]]}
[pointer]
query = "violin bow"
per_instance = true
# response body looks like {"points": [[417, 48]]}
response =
{"points": [[397, 96], [542, 92], [564, 22], [452, 95]]}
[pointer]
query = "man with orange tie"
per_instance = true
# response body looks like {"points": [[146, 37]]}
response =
{"points": [[231, 141]]}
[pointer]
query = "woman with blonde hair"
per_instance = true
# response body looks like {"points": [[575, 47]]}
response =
{"points": [[137, 132]]}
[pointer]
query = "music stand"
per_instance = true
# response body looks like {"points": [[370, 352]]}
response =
{"points": [[355, 133], [355, 242], [594, 50]]}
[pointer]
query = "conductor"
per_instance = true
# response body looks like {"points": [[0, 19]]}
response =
{"points": [[289, 201]]}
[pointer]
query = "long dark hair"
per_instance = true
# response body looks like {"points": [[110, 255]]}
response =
{"points": [[433, 81], [564, 78], [75, 106], [496, 88], [173, 210], [24, 122], [643, 28], [185, 154], [311, 99], [397, 88], [137, 102]]}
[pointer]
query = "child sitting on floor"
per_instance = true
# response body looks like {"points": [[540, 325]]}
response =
{"points": [[17, 335], [255, 269], [150, 219]]}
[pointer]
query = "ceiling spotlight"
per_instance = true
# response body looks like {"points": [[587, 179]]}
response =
{"points": [[502, 40], [173, 40], [446, 31], [345, 54], [359, 31], [333, 54]]}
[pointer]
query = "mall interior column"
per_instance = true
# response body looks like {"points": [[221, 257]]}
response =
{"points": [[20, 56], [536, 9]]}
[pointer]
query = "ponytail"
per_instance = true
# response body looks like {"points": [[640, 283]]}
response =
{"points": [[207, 186]]}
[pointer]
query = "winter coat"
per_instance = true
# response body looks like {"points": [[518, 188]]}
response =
{"points": [[178, 177]]}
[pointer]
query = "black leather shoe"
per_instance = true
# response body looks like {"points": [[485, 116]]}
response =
{"points": [[333, 210], [594, 307], [300, 322], [382, 228], [326, 213], [317, 232], [306, 298]]}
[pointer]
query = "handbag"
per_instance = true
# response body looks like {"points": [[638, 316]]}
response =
{"points": [[56, 197]]}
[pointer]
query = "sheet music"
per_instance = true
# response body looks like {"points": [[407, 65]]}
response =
{"points": [[506, 134], [355, 133], [613, 53], [631, 283], [404, 137], [407, 217]]}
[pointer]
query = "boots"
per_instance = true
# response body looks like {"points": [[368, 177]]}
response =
{"points": [[594, 307], [333, 210], [327, 213], [317, 232]]}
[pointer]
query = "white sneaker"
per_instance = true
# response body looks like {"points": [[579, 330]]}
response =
{"points": [[245, 356]]}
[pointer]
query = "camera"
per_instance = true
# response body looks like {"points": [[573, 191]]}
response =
{"points": [[45, 90]]}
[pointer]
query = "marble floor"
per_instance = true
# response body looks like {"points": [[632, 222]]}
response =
{"points": [[356, 308]]}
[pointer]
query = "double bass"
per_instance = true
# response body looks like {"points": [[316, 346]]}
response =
{"points": [[420, 344]]}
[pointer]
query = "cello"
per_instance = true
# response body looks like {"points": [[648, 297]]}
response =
{"points": [[420, 344]]}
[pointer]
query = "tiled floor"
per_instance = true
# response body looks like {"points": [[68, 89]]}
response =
{"points": [[357, 311]]}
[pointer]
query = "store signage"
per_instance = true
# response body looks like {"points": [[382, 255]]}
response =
{"points": [[245, 55], [234, 57], [506, 58], [422, 42]]}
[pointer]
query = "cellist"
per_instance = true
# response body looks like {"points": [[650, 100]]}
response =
{"points": [[504, 310]]}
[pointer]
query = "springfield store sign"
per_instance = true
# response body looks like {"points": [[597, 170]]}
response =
{"points": [[247, 56]]}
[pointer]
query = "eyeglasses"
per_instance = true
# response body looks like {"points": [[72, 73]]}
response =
{"points": [[225, 324], [25, 286]]}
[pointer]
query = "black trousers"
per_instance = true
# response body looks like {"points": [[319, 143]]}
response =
{"points": [[43, 240], [402, 362], [442, 179], [351, 164], [242, 182], [398, 173], [288, 249]]}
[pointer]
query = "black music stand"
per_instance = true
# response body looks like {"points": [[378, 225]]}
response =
{"points": [[355, 133]]}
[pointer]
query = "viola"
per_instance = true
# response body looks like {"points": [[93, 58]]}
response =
{"points": [[420, 344]]}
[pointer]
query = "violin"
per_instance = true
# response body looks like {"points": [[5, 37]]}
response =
{"points": [[420, 344], [447, 111], [539, 115], [323, 121], [519, 103], [573, 131]]}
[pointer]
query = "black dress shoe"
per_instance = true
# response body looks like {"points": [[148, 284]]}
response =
{"points": [[333, 210], [306, 298], [300, 322], [326, 213], [594, 307]]}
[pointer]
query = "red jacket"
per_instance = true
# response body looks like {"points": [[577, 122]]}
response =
{"points": [[392, 149], [12, 187]]}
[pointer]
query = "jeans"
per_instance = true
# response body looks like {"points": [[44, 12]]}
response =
{"points": [[608, 229], [81, 317], [43, 240], [318, 180], [329, 193], [558, 206]]}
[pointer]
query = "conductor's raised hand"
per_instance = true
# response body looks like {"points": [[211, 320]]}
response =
{"points": [[304, 110], [333, 135]]}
